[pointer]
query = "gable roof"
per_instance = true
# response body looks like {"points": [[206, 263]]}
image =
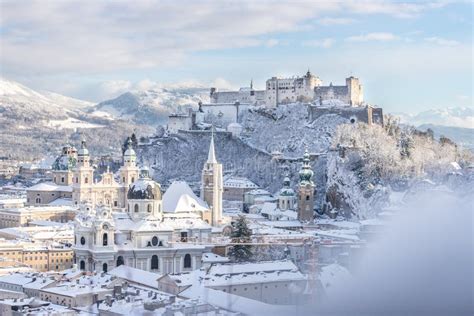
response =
{"points": [[180, 198]]}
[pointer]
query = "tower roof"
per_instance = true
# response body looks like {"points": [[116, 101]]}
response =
{"points": [[83, 151], [129, 152], [305, 172], [211, 157]]}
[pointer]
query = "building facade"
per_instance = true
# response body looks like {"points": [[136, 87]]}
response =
{"points": [[144, 237]]}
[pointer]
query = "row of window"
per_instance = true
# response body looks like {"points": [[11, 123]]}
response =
{"points": [[187, 263]]}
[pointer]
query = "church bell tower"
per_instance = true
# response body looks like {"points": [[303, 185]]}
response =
{"points": [[212, 184], [306, 191]]}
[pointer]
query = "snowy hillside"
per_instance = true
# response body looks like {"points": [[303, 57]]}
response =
{"points": [[20, 102], [34, 123], [150, 107], [454, 116]]}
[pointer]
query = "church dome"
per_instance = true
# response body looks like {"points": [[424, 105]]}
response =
{"points": [[83, 151], [66, 161], [144, 188], [286, 190], [129, 152]]}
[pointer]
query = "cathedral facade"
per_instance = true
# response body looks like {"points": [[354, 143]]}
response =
{"points": [[130, 222]]}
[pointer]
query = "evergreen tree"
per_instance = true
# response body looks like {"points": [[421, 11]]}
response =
{"points": [[241, 234], [134, 141]]}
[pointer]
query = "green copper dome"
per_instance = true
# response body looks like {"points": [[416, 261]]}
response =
{"points": [[305, 172]]}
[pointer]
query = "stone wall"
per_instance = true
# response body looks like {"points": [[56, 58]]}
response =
{"points": [[366, 114]]}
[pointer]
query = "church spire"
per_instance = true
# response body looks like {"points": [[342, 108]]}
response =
{"points": [[211, 157]]}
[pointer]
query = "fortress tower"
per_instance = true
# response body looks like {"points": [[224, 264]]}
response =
{"points": [[212, 184]]}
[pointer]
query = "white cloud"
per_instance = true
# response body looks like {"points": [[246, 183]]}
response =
{"points": [[96, 37], [324, 43], [441, 41], [378, 37], [396, 9], [328, 21], [271, 42]]}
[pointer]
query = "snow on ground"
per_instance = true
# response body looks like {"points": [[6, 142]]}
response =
{"points": [[71, 123]]}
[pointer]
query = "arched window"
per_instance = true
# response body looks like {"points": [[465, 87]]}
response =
{"points": [[187, 261], [83, 241], [154, 241], [104, 239], [154, 262], [82, 265], [307, 198], [119, 261], [133, 179], [136, 208], [38, 200], [104, 267], [62, 179], [77, 179], [149, 208], [86, 180], [123, 179]]}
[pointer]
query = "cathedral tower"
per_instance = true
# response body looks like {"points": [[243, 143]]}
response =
{"points": [[212, 184], [306, 191], [83, 176], [129, 171]]}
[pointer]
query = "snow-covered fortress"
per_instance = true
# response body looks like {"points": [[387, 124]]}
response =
{"points": [[226, 108], [308, 88]]}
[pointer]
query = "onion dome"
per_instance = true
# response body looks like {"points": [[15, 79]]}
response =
{"points": [[286, 190], [144, 188], [83, 151], [305, 172], [66, 161]]}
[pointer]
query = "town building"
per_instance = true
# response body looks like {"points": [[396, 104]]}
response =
{"points": [[236, 187], [15, 217], [38, 256]]}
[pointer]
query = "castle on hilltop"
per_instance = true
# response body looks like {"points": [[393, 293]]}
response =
{"points": [[307, 88], [226, 108]]}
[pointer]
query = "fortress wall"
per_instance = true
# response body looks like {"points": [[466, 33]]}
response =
{"points": [[365, 114], [223, 114]]}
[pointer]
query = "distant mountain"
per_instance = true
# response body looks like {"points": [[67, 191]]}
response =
{"points": [[462, 136], [34, 123], [455, 116], [22, 103], [150, 107]]}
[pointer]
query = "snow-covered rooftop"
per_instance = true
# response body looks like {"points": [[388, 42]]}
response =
{"points": [[180, 198], [137, 276], [50, 187], [239, 182]]}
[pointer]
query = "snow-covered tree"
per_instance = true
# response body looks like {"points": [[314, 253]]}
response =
{"points": [[241, 236]]}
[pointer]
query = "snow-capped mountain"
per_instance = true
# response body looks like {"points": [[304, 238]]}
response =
{"points": [[454, 116], [151, 106], [19, 101]]}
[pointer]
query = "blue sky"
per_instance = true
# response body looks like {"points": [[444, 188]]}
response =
{"points": [[410, 56]]}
